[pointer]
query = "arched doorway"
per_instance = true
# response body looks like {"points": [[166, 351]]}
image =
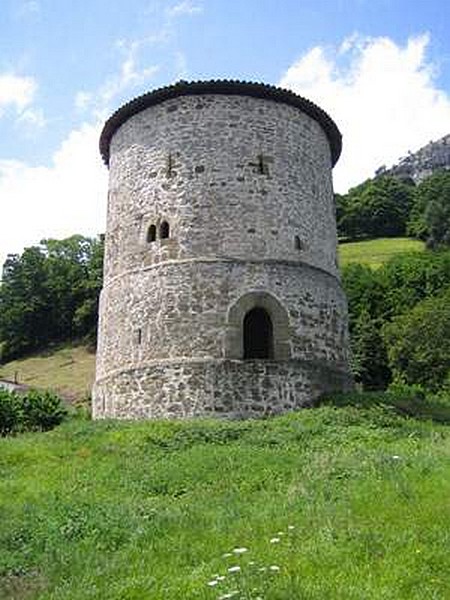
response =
{"points": [[257, 327], [258, 334]]}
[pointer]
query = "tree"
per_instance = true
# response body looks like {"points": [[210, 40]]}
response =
{"points": [[365, 295], [410, 278], [377, 208], [418, 343], [430, 215], [376, 296], [369, 357], [24, 299], [50, 294], [365, 292]]}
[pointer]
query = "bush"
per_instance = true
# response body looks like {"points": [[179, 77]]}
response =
{"points": [[418, 343], [10, 413], [42, 410], [34, 411]]}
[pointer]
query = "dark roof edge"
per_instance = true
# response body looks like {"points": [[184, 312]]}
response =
{"points": [[220, 86]]}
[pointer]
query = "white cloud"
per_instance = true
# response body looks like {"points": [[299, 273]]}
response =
{"points": [[54, 201], [128, 77], [133, 73], [28, 8], [181, 68], [383, 97], [185, 7], [16, 91], [82, 100], [33, 117]]}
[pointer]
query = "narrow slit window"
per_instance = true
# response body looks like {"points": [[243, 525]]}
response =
{"points": [[258, 334], [169, 166], [263, 165], [151, 234], [164, 230], [298, 243]]}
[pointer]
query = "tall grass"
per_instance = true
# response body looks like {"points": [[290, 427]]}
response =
{"points": [[355, 493]]}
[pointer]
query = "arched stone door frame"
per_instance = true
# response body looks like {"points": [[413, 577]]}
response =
{"points": [[234, 342]]}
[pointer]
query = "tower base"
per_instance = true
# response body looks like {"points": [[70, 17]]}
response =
{"points": [[220, 388]]}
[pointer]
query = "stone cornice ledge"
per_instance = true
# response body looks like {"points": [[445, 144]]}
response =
{"points": [[183, 361], [227, 260], [228, 87]]}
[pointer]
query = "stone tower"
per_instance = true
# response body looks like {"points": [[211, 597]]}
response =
{"points": [[221, 287]]}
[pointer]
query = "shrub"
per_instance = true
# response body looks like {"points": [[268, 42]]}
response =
{"points": [[35, 411], [10, 413], [418, 343], [42, 410]]}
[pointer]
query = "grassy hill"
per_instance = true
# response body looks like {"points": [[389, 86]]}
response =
{"points": [[329, 503], [68, 370], [376, 252]]}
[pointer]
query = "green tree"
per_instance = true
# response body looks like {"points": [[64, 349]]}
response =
{"points": [[430, 215], [365, 296], [369, 356], [86, 314], [418, 343], [376, 296], [50, 294], [410, 278], [379, 207], [365, 292], [24, 300]]}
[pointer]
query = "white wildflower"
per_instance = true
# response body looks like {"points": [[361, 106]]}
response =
{"points": [[234, 569], [213, 582], [291, 527], [274, 540], [227, 555], [274, 568], [228, 595], [220, 577], [240, 550]]}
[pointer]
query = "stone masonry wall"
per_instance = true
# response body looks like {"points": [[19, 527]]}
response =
{"points": [[245, 186], [195, 161]]}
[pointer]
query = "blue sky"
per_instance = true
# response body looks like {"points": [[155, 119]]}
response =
{"points": [[381, 68]]}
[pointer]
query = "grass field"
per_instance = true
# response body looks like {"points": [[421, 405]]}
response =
{"points": [[347, 502], [376, 252], [68, 370]]}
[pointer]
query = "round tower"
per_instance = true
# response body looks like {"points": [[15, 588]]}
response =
{"points": [[221, 287]]}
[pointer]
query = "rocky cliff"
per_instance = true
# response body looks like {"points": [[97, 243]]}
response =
{"points": [[421, 164]]}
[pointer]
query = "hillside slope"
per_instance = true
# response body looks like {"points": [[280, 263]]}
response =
{"points": [[346, 502], [376, 252], [68, 370]]}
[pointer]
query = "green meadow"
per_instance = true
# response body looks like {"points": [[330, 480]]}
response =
{"points": [[378, 251], [347, 500]]}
